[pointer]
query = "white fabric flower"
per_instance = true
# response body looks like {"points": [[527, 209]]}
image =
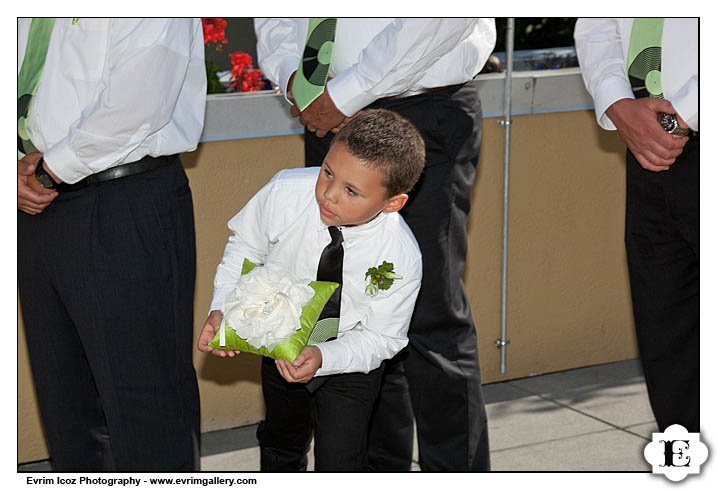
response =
{"points": [[266, 306]]}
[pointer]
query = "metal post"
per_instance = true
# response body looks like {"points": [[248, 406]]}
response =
{"points": [[506, 123]]}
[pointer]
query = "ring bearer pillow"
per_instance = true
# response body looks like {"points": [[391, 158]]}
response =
{"points": [[270, 314]]}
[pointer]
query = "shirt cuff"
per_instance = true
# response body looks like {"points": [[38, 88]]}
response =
{"points": [[220, 295], [686, 105], [610, 90], [347, 93], [289, 65], [334, 358], [63, 162]]}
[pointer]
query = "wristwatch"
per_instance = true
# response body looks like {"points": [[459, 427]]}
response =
{"points": [[43, 177], [670, 124]]}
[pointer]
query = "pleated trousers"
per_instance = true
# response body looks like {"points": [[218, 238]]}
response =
{"points": [[106, 280], [662, 245]]}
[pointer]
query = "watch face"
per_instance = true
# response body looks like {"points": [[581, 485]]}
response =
{"points": [[44, 181], [44, 178], [669, 122]]}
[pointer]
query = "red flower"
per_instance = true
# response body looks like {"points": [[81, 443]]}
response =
{"points": [[213, 28], [244, 77]]}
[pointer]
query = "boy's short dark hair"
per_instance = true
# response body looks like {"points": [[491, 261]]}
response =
{"points": [[385, 140]]}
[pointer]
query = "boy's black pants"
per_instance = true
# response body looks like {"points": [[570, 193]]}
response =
{"points": [[662, 243], [337, 414], [106, 278]]}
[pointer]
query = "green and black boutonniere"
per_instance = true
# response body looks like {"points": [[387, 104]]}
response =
{"points": [[380, 278]]}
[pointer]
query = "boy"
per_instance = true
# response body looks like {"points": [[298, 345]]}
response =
{"points": [[353, 198]]}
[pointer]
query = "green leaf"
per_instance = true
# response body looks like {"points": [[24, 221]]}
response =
{"points": [[385, 284], [386, 267], [382, 277], [214, 86]]}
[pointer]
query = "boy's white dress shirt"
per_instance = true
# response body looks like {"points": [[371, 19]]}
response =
{"points": [[281, 224]]}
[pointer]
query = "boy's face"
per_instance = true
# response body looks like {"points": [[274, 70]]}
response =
{"points": [[349, 192]]}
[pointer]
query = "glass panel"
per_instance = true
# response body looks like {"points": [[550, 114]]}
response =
{"points": [[540, 43]]}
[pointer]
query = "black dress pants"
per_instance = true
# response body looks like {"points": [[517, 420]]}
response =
{"points": [[337, 414], [106, 279], [437, 376], [662, 244]]}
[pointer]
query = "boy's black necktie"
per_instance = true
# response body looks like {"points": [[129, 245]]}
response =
{"points": [[330, 269]]}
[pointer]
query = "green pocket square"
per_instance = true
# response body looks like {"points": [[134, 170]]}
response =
{"points": [[287, 351]]}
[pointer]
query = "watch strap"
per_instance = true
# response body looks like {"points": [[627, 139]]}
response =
{"points": [[44, 177], [670, 123], [682, 131]]}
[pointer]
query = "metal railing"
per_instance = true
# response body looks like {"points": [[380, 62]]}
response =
{"points": [[503, 342]]}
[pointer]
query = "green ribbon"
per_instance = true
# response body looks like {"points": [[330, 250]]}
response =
{"points": [[324, 330], [311, 75], [29, 76], [644, 57]]}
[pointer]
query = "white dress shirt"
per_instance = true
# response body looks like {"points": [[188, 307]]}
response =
{"points": [[602, 49], [375, 58], [115, 90], [281, 224]]}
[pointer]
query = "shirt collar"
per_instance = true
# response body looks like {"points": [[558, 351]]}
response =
{"points": [[357, 231]]}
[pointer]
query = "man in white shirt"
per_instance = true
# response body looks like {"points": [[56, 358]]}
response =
{"points": [[418, 68], [662, 191], [106, 253]]}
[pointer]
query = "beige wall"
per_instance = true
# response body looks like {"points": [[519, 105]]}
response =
{"points": [[568, 297], [568, 302]]}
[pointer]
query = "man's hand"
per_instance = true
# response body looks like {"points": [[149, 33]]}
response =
{"points": [[321, 117], [210, 328], [32, 198], [305, 365], [637, 123], [320, 133], [344, 122]]}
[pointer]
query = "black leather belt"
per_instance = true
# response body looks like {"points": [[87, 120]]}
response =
{"points": [[145, 164], [421, 92]]}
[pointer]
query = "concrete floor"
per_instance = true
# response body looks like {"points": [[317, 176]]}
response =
{"points": [[589, 419]]}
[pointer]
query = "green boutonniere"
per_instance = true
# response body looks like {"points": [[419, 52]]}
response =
{"points": [[380, 278], [75, 20]]}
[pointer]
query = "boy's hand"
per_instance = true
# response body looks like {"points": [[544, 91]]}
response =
{"points": [[305, 365], [211, 326]]}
